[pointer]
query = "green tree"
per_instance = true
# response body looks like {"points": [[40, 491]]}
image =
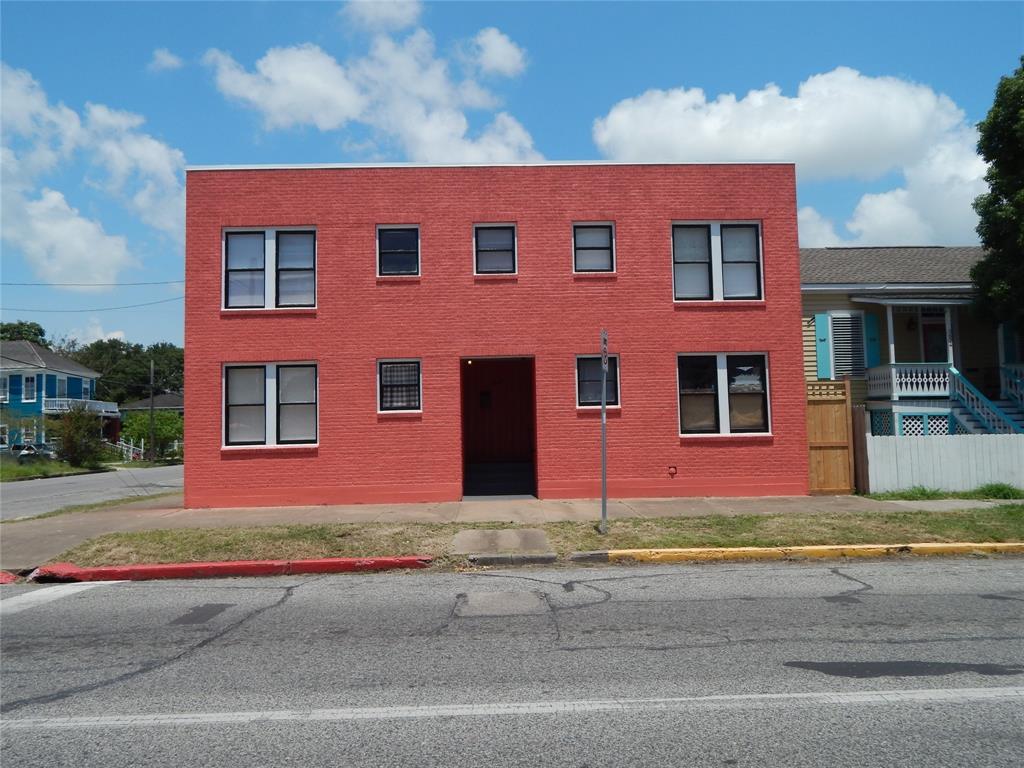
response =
{"points": [[124, 367], [23, 330], [168, 427], [999, 277], [81, 444]]}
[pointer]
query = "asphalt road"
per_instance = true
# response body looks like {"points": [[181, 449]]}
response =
{"points": [[896, 663], [28, 498]]}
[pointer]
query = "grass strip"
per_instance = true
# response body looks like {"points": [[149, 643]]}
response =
{"points": [[11, 470], [997, 491], [1004, 523]]}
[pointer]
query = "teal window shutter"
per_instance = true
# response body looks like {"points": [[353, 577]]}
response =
{"points": [[823, 345], [872, 341]]}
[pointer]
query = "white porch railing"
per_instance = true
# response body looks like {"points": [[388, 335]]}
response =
{"points": [[1011, 383], [991, 416], [65, 404], [896, 380]]}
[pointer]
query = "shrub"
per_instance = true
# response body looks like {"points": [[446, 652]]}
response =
{"points": [[81, 442]]}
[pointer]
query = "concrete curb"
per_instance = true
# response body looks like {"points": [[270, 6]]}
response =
{"points": [[707, 554], [6, 577], [545, 558], [145, 572]]}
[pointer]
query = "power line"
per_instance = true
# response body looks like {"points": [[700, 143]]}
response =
{"points": [[87, 285], [97, 309]]}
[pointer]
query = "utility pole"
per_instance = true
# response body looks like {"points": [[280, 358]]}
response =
{"points": [[152, 418], [604, 432]]}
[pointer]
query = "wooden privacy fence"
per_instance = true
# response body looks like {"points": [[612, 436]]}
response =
{"points": [[830, 437], [945, 462]]}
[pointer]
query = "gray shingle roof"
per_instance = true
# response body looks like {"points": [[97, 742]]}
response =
{"points": [[25, 354], [931, 264], [164, 401]]}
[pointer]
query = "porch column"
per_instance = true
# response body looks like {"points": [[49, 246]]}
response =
{"points": [[949, 335], [892, 352]]}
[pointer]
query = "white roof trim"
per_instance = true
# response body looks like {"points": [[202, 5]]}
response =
{"points": [[543, 163], [897, 301], [896, 287]]}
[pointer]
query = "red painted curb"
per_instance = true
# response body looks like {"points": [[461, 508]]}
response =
{"points": [[6, 577], [146, 572]]}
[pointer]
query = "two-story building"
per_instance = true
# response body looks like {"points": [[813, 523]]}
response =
{"points": [[424, 333], [36, 382]]}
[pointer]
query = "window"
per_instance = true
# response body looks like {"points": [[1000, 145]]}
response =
{"points": [[244, 274], [723, 394], [28, 393], [495, 250], [296, 404], [398, 251], [62, 387], [28, 435], [290, 387], [3, 389], [691, 261], [847, 333], [4, 437], [245, 405], [296, 269], [716, 262], [588, 381], [593, 248], [741, 262], [400, 385]]}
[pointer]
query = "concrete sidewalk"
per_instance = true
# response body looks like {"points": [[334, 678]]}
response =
{"points": [[28, 543]]}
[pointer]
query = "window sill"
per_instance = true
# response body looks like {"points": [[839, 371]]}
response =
{"points": [[496, 277], [582, 410], [399, 415], [269, 451], [385, 279], [711, 304], [598, 276], [272, 312], [747, 438]]}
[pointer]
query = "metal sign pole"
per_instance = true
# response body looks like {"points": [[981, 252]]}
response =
{"points": [[604, 432]]}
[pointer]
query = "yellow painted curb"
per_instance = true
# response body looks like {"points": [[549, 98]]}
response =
{"points": [[819, 551]]}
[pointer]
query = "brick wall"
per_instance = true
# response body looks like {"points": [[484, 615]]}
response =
{"points": [[447, 314]]}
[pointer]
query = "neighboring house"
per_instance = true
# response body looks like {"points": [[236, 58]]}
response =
{"points": [[897, 322], [419, 333], [165, 401], [35, 383]]}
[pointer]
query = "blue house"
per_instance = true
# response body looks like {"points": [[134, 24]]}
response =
{"points": [[35, 383]]}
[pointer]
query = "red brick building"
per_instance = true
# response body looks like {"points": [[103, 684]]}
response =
{"points": [[411, 333]]}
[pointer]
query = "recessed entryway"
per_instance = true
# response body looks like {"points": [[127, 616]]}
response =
{"points": [[498, 427]]}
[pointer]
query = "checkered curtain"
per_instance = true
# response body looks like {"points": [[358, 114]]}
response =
{"points": [[400, 385]]}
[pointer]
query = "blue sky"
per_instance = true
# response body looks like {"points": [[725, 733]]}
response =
{"points": [[876, 102]]}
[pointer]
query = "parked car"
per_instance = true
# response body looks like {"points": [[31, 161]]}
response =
{"points": [[27, 453]]}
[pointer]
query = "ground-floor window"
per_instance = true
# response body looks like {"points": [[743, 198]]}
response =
{"points": [[399, 385], [3, 435], [28, 435], [723, 394], [588, 381], [291, 388]]}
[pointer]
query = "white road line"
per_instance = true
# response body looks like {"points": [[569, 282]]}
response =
{"points": [[940, 695], [36, 597]]}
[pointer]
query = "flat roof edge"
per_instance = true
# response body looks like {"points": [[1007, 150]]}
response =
{"points": [[553, 163]]}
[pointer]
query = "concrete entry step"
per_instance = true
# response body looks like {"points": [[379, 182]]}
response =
{"points": [[483, 541]]}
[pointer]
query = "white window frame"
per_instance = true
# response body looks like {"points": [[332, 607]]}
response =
{"points": [[5, 390], [722, 396], [717, 271], [269, 404], [419, 252], [832, 341], [26, 431], [572, 248], [269, 268], [25, 379], [5, 435], [515, 248], [377, 364], [576, 380], [64, 380]]}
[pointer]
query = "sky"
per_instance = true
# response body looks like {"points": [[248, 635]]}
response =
{"points": [[103, 106]]}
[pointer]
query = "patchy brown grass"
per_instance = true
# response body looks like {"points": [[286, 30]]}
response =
{"points": [[1004, 523]]}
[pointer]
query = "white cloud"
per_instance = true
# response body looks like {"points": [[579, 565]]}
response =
{"points": [[496, 54], [382, 14], [839, 125], [60, 244], [401, 90], [163, 60], [291, 86], [94, 331]]}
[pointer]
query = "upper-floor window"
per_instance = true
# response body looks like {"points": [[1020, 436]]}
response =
{"points": [[593, 248], [62, 387], [291, 389], [716, 261], [3, 389], [269, 268], [495, 249], [723, 394], [28, 392], [398, 251], [588, 381], [399, 385]]}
